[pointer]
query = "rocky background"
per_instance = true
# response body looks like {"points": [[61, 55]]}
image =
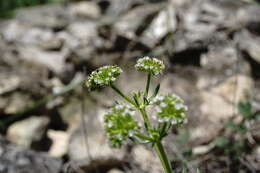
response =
{"points": [[49, 123]]}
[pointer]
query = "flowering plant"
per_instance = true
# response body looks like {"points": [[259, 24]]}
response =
{"points": [[120, 122]]}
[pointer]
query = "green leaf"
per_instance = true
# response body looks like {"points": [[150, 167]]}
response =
{"points": [[146, 102], [236, 127], [257, 115], [221, 141], [156, 90], [135, 97], [245, 109]]}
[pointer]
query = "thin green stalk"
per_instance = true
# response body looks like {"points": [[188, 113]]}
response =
{"points": [[163, 157], [147, 84], [122, 95], [146, 119], [142, 136], [158, 146]]}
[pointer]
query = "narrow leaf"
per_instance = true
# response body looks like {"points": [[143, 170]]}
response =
{"points": [[156, 90]]}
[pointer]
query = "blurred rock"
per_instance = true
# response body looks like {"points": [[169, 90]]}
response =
{"points": [[49, 16], [60, 141], [235, 89], [135, 21], [119, 7], [115, 171], [14, 159], [8, 82], [54, 61], [85, 9], [27, 131], [52, 44], [35, 36], [146, 159], [84, 31], [251, 44], [99, 151], [16, 102], [13, 30], [217, 106], [162, 24]]}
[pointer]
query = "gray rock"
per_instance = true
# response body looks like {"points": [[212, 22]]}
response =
{"points": [[85, 10], [14, 159], [54, 61], [217, 106], [130, 25], [27, 131], [164, 23], [16, 102], [99, 151], [250, 44], [49, 16], [146, 159], [8, 82]]}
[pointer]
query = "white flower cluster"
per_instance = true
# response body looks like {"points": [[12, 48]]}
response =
{"points": [[103, 76], [170, 108], [120, 124], [150, 65]]}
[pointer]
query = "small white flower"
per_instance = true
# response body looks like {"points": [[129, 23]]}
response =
{"points": [[131, 133], [110, 124], [163, 105]]}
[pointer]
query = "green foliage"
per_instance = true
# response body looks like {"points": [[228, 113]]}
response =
{"points": [[7, 7], [103, 77], [120, 123], [245, 109], [235, 144]]}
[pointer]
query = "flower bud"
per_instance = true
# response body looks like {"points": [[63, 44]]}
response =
{"points": [[120, 124], [150, 65], [170, 108], [103, 77]]}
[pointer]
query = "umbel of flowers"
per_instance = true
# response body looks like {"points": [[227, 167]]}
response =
{"points": [[120, 122]]}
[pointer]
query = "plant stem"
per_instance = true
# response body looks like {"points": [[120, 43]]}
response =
{"points": [[121, 94], [140, 135], [158, 145], [146, 119], [163, 157], [147, 85]]}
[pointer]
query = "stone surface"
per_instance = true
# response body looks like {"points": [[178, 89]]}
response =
{"points": [[250, 43], [146, 159], [115, 171], [99, 149], [8, 82], [54, 61], [129, 24], [85, 9], [27, 131], [162, 24], [19, 160], [60, 141]]}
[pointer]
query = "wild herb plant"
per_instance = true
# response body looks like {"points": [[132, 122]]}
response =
{"points": [[236, 143], [120, 122]]}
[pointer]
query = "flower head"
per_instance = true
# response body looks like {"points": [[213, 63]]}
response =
{"points": [[151, 65], [170, 108], [119, 124], [103, 76]]}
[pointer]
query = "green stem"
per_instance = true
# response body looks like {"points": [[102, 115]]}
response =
{"points": [[163, 157], [158, 145], [146, 119], [122, 95], [147, 85], [142, 136]]}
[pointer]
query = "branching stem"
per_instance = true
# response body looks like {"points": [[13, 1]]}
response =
{"points": [[122, 95]]}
